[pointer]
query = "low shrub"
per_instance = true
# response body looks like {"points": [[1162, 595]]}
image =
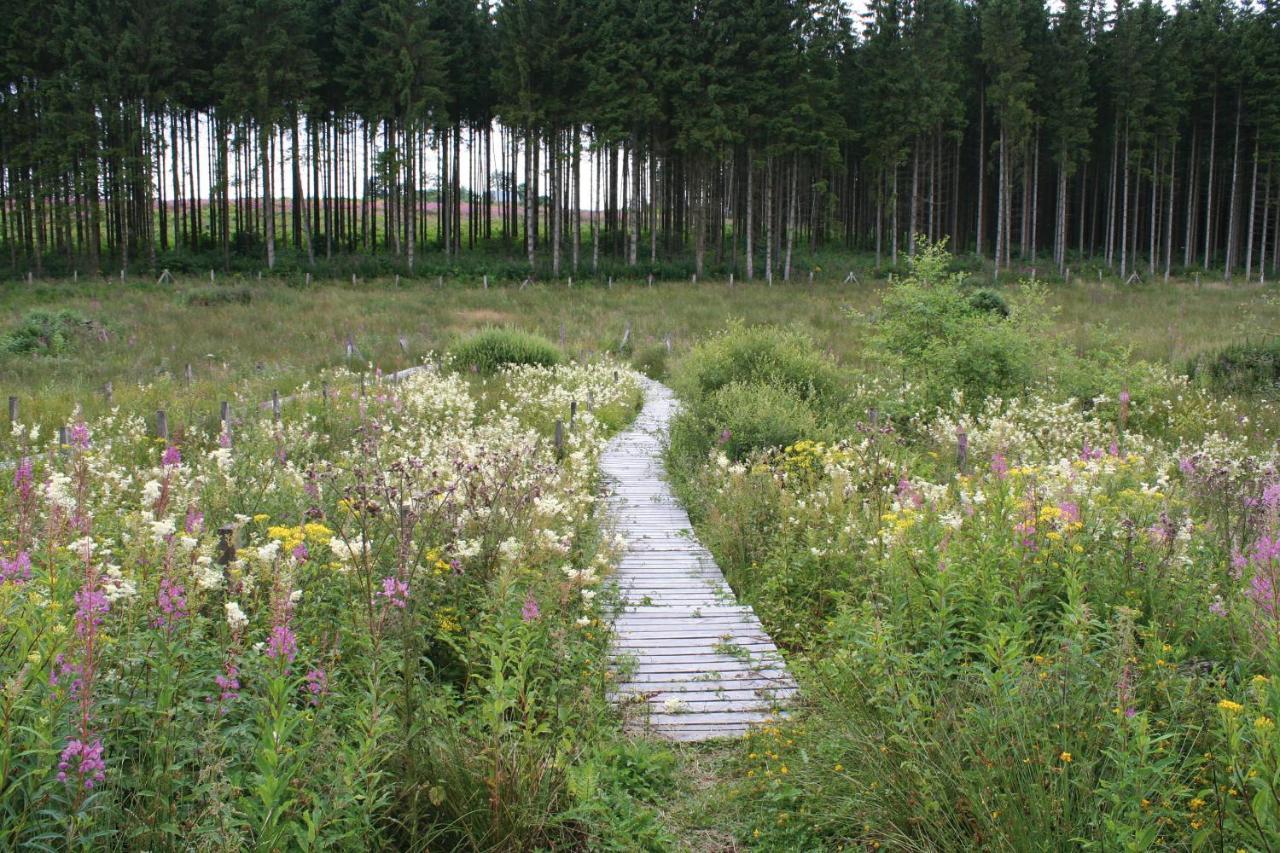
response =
{"points": [[651, 361], [743, 417], [1247, 368], [209, 297], [947, 340], [45, 333], [492, 349], [987, 301], [765, 355]]}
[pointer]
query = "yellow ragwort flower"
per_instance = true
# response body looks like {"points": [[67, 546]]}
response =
{"points": [[1230, 707]]}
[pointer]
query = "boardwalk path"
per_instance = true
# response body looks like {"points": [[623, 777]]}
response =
{"points": [[700, 661]]}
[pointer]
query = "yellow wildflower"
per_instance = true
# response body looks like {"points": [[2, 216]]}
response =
{"points": [[1230, 707], [1066, 757]]}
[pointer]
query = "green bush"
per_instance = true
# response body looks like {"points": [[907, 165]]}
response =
{"points": [[765, 355], [947, 340], [651, 361], [743, 417], [1247, 368], [45, 333], [492, 349], [986, 301], [208, 297]]}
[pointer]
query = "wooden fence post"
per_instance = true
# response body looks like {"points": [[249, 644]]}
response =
{"points": [[559, 439], [162, 424], [962, 450], [13, 409]]}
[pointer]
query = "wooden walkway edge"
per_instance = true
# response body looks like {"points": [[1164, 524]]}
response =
{"points": [[692, 663]]}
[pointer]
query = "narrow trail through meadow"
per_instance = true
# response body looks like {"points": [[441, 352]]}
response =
{"points": [[693, 663]]}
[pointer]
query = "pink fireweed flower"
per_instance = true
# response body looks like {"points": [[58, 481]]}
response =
{"points": [[171, 456], [282, 643], [194, 522], [24, 478], [224, 439], [1187, 466], [79, 435], [172, 601], [999, 466], [1070, 512], [228, 684], [82, 762], [530, 611], [317, 685], [90, 604], [16, 571], [1088, 453], [395, 591]]}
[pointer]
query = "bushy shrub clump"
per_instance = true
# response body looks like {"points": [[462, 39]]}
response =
{"points": [[763, 354], [946, 340], [44, 333], [492, 349], [752, 387], [1247, 368]]}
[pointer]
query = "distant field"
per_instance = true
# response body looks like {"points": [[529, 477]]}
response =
{"points": [[267, 336]]}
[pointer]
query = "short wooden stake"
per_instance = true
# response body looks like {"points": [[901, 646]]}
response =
{"points": [[190, 374], [962, 450], [559, 439], [486, 281], [226, 545], [62, 436], [162, 424], [13, 409], [107, 391], [573, 412]]}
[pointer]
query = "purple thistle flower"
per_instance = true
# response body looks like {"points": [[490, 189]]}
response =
{"points": [[1218, 607], [300, 552], [83, 762], [282, 643], [395, 591], [530, 611], [1187, 466]]}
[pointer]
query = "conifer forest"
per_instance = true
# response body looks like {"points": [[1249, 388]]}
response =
{"points": [[730, 135]]}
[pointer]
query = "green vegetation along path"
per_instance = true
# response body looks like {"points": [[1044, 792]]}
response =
{"points": [[693, 663]]}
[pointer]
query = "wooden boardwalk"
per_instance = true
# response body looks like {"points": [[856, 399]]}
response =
{"points": [[692, 663]]}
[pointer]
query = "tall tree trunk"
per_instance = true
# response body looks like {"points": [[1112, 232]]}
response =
{"points": [[264, 145], [1253, 207], [982, 168], [791, 218], [1208, 206], [750, 228], [1233, 218]]}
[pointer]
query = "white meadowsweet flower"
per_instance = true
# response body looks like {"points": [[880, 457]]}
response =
{"points": [[235, 616]]}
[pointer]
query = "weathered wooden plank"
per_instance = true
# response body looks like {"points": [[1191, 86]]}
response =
{"points": [[679, 633]]}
